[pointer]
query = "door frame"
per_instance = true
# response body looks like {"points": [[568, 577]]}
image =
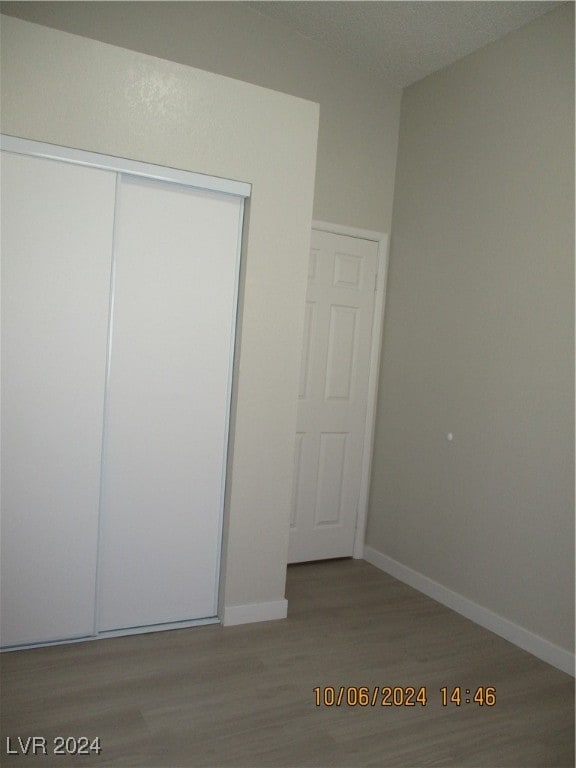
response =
{"points": [[21, 146], [382, 240]]}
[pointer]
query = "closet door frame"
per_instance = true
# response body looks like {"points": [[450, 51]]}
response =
{"points": [[125, 166]]}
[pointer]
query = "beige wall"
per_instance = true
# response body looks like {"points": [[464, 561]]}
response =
{"points": [[359, 115], [479, 327], [68, 90], [479, 333]]}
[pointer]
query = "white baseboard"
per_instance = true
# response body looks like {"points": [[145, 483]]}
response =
{"points": [[523, 638], [246, 614]]}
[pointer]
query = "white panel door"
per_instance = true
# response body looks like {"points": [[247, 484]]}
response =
{"points": [[333, 396], [175, 283], [57, 223]]}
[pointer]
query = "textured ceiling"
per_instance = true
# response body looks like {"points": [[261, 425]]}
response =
{"points": [[404, 41]]}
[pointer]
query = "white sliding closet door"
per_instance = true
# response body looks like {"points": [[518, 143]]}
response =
{"points": [[57, 223], [166, 418]]}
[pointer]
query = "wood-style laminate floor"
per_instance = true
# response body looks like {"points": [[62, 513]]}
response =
{"points": [[243, 696]]}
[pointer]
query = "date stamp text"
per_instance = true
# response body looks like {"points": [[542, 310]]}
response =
{"points": [[402, 696]]}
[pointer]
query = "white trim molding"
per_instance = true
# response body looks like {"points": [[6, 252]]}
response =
{"points": [[382, 240], [519, 636], [248, 614]]}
